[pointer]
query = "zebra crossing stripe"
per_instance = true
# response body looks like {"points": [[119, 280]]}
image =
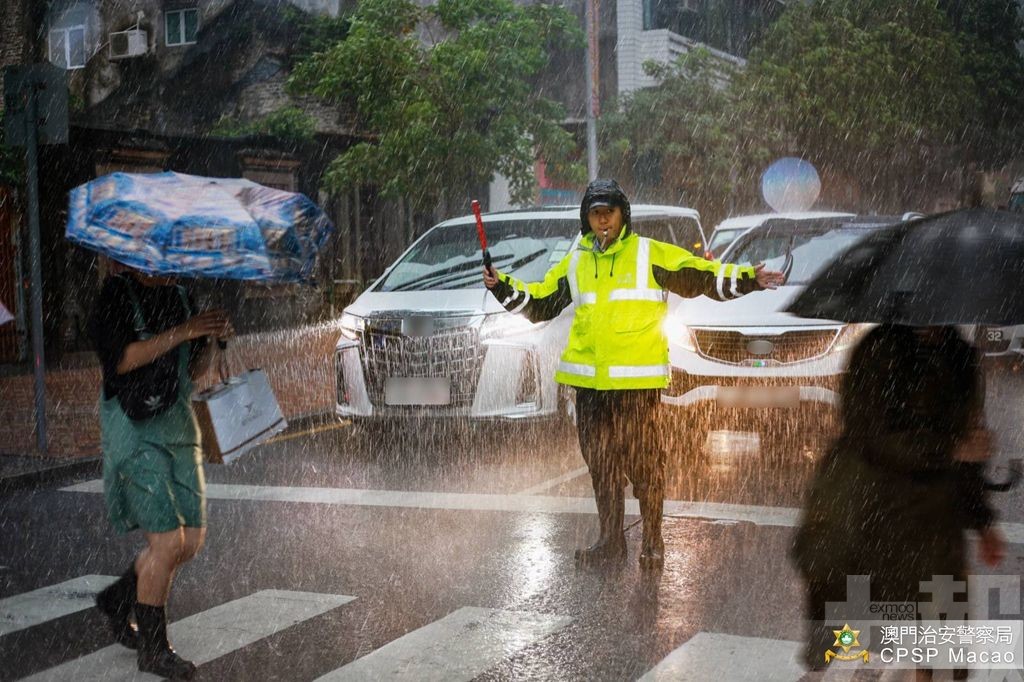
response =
{"points": [[48, 603], [780, 517], [713, 657], [461, 646], [207, 635]]}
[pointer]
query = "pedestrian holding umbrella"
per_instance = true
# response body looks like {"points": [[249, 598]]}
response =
{"points": [[152, 344], [905, 479]]}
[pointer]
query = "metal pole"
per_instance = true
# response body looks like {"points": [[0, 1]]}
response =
{"points": [[35, 265], [592, 13]]}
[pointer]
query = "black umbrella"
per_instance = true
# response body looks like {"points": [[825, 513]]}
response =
{"points": [[962, 267]]}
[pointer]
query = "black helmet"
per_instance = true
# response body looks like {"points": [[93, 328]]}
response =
{"points": [[603, 192]]}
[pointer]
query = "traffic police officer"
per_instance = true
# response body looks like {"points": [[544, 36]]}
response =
{"points": [[616, 356]]}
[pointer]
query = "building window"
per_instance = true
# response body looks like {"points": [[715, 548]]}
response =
{"points": [[67, 47], [181, 26], [732, 26]]}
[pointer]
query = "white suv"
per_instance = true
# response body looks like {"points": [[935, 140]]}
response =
{"points": [[428, 340], [725, 232], [746, 363]]}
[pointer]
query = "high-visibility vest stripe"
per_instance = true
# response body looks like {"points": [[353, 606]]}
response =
{"points": [[574, 287], [643, 263], [526, 299], [657, 295], [636, 371], [577, 369], [588, 297]]}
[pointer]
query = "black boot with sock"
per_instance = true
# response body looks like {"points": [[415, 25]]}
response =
{"points": [[116, 602], [155, 654]]}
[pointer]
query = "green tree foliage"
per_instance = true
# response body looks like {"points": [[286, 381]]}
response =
{"points": [[688, 140], [288, 124], [873, 89], [444, 94], [313, 32], [989, 32]]}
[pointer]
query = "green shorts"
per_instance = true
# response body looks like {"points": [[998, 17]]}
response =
{"points": [[153, 475], [157, 490]]}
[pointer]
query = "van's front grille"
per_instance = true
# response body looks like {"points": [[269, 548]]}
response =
{"points": [[455, 354], [788, 347]]}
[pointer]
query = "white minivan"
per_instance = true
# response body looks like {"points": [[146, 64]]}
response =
{"points": [[427, 339]]}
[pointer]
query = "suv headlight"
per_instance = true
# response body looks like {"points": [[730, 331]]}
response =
{"points": [[849, 336], [351, 326], [680, 334], [500, 325]]}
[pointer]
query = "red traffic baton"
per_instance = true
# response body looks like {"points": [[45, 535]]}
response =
{"points": [[482, 235]]}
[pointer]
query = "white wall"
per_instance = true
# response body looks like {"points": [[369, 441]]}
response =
{"points": [[499, 195], [331, 7]]}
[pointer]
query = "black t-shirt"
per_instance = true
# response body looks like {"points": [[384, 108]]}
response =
{"points": [[112, 325]]}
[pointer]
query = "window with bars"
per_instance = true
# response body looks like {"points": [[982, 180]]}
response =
{"points": [[181, 26], [67, 47]]}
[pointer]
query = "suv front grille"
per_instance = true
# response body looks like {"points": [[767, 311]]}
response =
{"points": [[455, 354], [788, 347], [682, 383]]}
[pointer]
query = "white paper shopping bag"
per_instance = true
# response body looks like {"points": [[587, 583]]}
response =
{"points": [[237, 415]]}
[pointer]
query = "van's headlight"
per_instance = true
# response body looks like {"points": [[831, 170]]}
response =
{"points": [[679, 334], [351, 326], [500, 325], [849, 336]]}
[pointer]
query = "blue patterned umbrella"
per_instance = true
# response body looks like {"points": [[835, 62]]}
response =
{"points": [[176, 224]]}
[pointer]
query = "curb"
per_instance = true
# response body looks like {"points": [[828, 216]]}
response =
{"points": [[56, 470], [30, 479]]}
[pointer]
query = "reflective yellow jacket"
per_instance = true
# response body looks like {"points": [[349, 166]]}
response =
{"points": [[616, 341]]}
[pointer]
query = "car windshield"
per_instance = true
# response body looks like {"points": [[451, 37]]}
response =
{"points": [[448, 257], [678, 230], [813, 246], [722, 238]]}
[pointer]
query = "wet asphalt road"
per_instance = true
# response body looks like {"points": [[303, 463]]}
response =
{"points": [[417, 527]]}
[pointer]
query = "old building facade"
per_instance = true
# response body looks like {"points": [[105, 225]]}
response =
{"points": [[169, 84]]}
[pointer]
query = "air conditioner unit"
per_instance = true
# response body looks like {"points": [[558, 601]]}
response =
{"points": [[130, 43]]}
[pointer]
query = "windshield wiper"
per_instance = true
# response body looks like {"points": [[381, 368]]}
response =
{"points": [[787, 264], [457, 270], [454, 274]]}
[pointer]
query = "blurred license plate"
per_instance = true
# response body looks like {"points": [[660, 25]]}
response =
{"points": [[418, 391], [758, 396]]}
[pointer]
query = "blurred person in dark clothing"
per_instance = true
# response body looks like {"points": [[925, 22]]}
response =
{"points": [[894, 497]]}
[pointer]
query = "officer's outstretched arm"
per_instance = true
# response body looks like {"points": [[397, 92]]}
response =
{"points": [[689, 276], [537, 301]]}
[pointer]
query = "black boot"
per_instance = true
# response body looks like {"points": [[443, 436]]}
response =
{"points": [[116, 602], [652, 547], [610, 547], [155, 653]]}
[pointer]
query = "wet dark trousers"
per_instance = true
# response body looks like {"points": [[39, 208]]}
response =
{"points": [[619, 440]]}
